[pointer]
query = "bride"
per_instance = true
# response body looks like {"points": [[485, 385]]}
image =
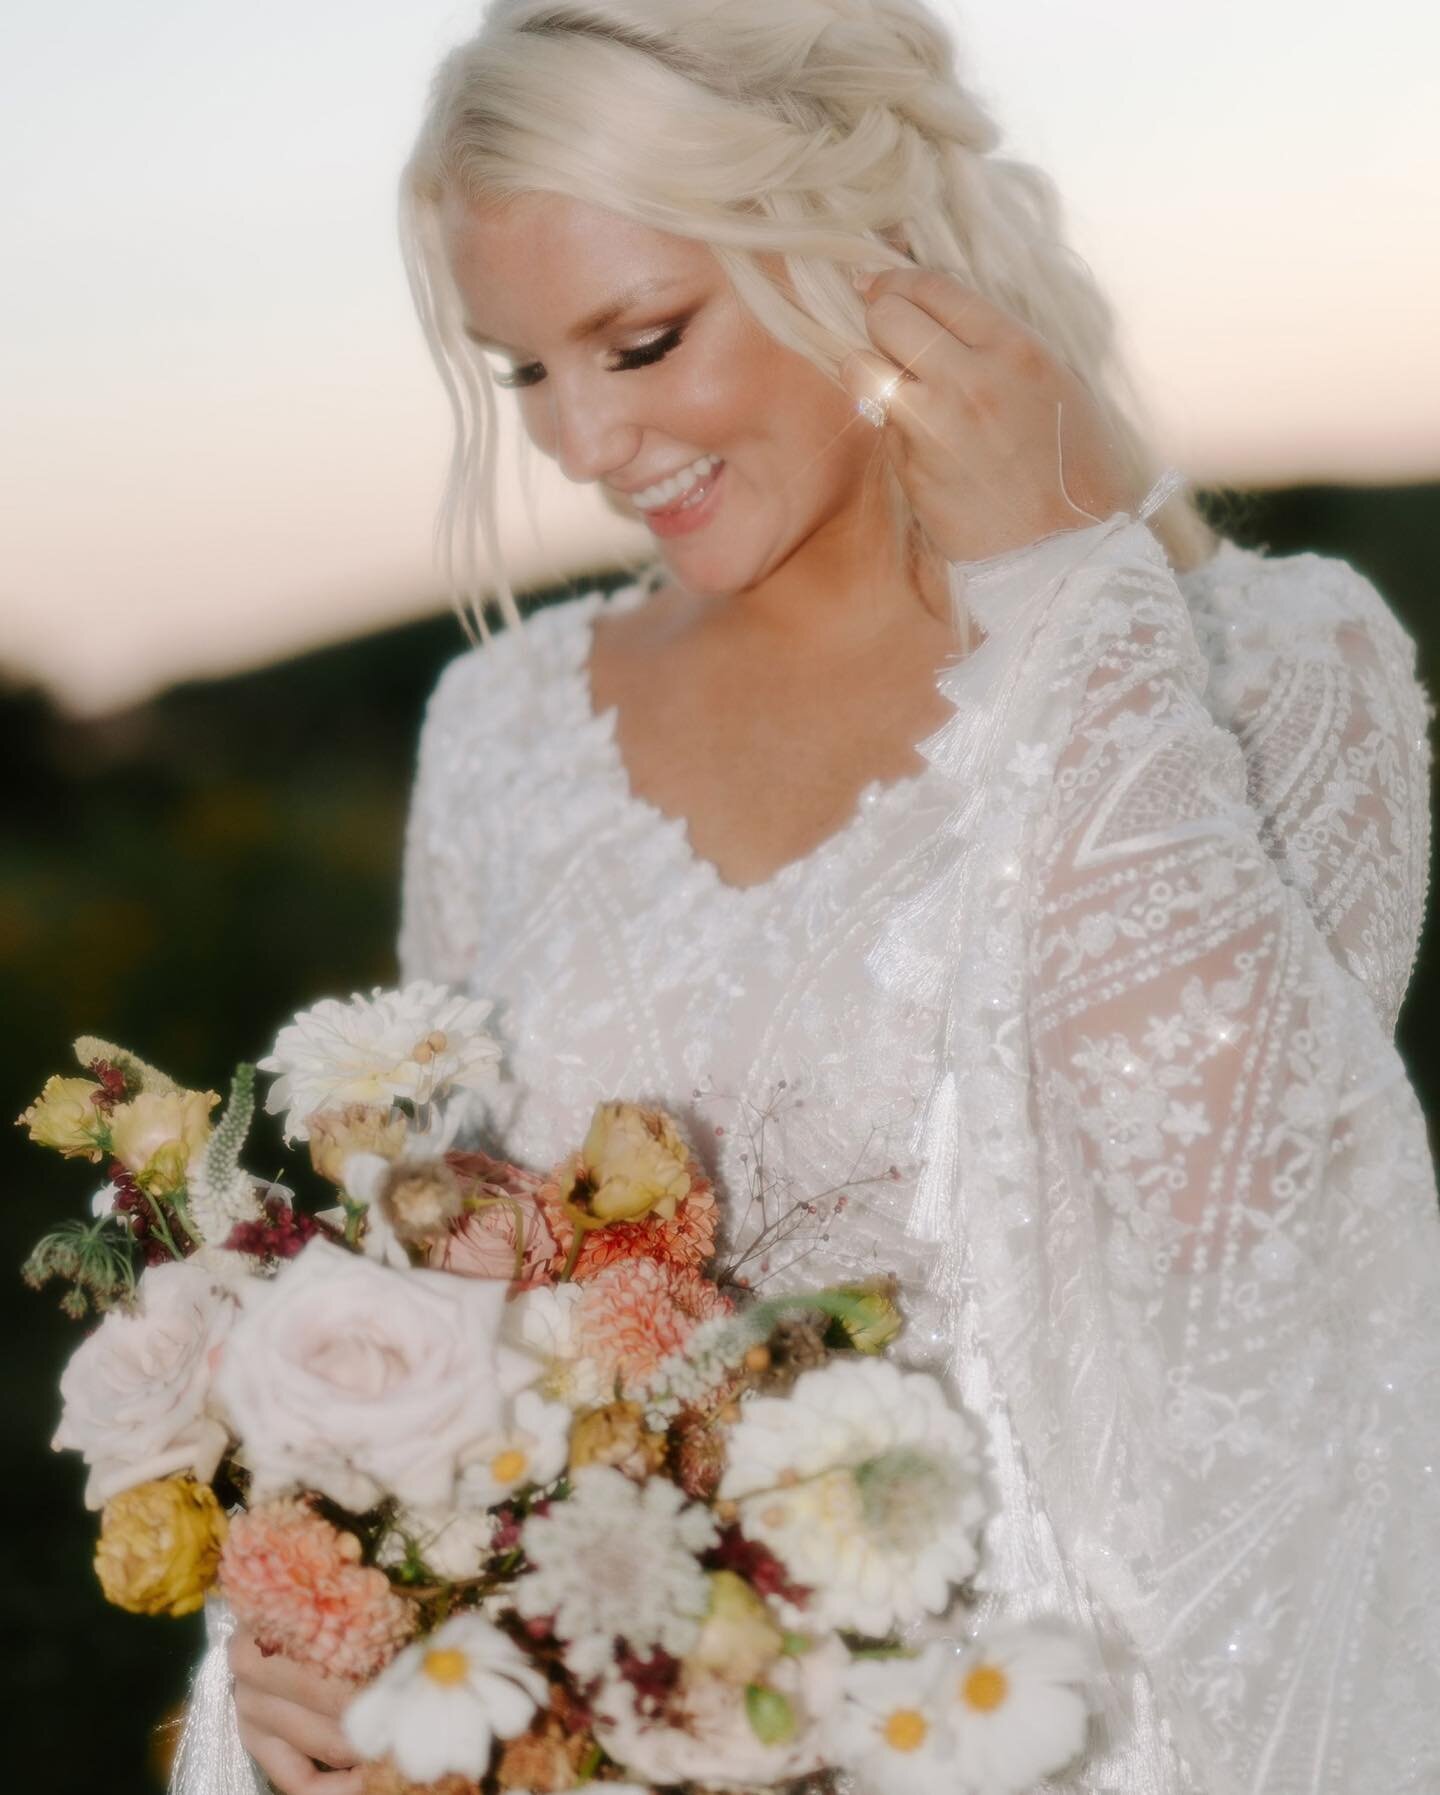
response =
{"points": [[948, 823]]}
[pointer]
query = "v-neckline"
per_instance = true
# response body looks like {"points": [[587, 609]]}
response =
{"points": [[874, 799]]}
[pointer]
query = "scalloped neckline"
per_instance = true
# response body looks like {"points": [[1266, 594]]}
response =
{"points": [[874, 799]]}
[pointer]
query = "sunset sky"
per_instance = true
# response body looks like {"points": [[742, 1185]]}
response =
{"points": [[221, 439]]}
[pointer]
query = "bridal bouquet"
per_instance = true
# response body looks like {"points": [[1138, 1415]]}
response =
{"points": [[504, 1448]]}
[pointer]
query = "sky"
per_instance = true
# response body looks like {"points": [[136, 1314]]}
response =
{"points": [[221, 439]]}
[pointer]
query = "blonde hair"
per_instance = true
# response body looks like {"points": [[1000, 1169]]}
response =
{"points": [[818, 133]]}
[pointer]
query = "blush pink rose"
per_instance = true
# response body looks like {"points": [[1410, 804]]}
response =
{"points": [[362, 1381], [137, 1392], [482, 1243]]}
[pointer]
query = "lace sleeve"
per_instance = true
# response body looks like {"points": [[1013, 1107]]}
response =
{"points": [[443, 891], [1243, 1244], [1315, 677]]}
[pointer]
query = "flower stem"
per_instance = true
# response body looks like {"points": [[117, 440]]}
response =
{"points": [[572, 1256], [167, 1239]]}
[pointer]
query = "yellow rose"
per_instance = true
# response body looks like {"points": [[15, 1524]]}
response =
{"points": [[634, 1163], [356, 1128], [160, 1546], [158, 1136], [64, 1116]]}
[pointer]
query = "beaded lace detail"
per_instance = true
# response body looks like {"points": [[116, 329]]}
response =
{"points": [[1084, 1032]]}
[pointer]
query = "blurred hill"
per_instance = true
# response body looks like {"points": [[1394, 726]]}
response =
{"points": [[183, 877]]}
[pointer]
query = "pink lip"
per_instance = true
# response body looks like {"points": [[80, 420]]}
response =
{"points": [[686, 518]]}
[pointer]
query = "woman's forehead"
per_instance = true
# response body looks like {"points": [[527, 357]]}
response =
{"points": [[542, 247]]}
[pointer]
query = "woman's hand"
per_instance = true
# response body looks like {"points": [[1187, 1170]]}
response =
{"points": [[978, 425], [290, 1716]]}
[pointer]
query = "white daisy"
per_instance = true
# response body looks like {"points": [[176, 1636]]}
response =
{"points": [[893, 1727], [413, 1045], [532, 1450], [541, 1323], [617, 1560], [438, 1708], [865, 1483], [1018, 1707]]}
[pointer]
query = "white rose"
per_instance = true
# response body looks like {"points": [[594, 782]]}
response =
{"points": [[362, 1381], [137, 1392]]}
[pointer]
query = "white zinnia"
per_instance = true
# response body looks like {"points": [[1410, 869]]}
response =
{"points": [[617, 1560], [438, 1707], [1018, 1707], [531, 1450], [414, 1044], [865, 1483]]}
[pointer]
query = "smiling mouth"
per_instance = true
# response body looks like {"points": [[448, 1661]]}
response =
{"points": [[681, 490]]}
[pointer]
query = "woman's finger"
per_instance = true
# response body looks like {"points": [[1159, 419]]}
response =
{"points": [[282, 1676], [913, 340], [293, 1774], [968, 316], [316, 1735]]}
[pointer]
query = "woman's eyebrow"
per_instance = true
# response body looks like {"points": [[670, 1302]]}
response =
{"points": [[597, 320]]}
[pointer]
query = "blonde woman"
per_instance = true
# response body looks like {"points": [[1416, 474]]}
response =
{"points": [[948, 813]]}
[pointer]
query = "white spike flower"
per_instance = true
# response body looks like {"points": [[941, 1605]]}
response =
{"points": [[865, 1483], [439, 1707]]}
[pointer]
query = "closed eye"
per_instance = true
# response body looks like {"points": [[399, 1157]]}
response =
{"points": [[643, 355]]}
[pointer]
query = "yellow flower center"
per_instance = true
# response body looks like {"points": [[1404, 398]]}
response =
{"points": [[905, 1730], [985, 1688], [509, 1467], [446, 1665]]}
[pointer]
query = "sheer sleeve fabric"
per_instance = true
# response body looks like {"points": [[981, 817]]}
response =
{"points": [[1315, 677], [445, 883], [1232, 1147], [1174, 1167]]}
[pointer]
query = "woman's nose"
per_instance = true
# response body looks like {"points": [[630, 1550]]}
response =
{"points": [[591, 431]]}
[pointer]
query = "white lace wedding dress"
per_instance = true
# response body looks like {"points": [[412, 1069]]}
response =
{"points": [[1086, 1032]]}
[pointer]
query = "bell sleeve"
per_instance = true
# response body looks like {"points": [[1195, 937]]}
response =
{"points": [[443, 889], [1236, 1278], [1314, 676]]}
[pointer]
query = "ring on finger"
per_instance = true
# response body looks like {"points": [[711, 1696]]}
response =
{"points": [[876, 409]]}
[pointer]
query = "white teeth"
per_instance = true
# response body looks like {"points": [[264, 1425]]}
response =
{"points": [[665, 492]]}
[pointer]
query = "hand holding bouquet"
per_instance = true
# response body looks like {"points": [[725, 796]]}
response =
{"points": [[505, 1450]]}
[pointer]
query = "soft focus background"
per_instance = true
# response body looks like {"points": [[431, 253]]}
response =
{"points": [[220, 449]]}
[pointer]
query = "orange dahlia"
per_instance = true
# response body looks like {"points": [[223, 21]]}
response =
{"points": [[683, 1242], [296, 1583], [633, 1314]]}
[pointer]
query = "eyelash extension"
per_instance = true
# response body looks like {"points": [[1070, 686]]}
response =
{"points": [[642, 356]]}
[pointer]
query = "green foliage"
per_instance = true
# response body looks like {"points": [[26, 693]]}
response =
{"points": [[96, 1259]]}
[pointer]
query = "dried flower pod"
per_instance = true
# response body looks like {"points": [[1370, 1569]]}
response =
{"points": [[544, 1760], [699, 1456], [796, 1345], [384, 1779], [616, 1435]]}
